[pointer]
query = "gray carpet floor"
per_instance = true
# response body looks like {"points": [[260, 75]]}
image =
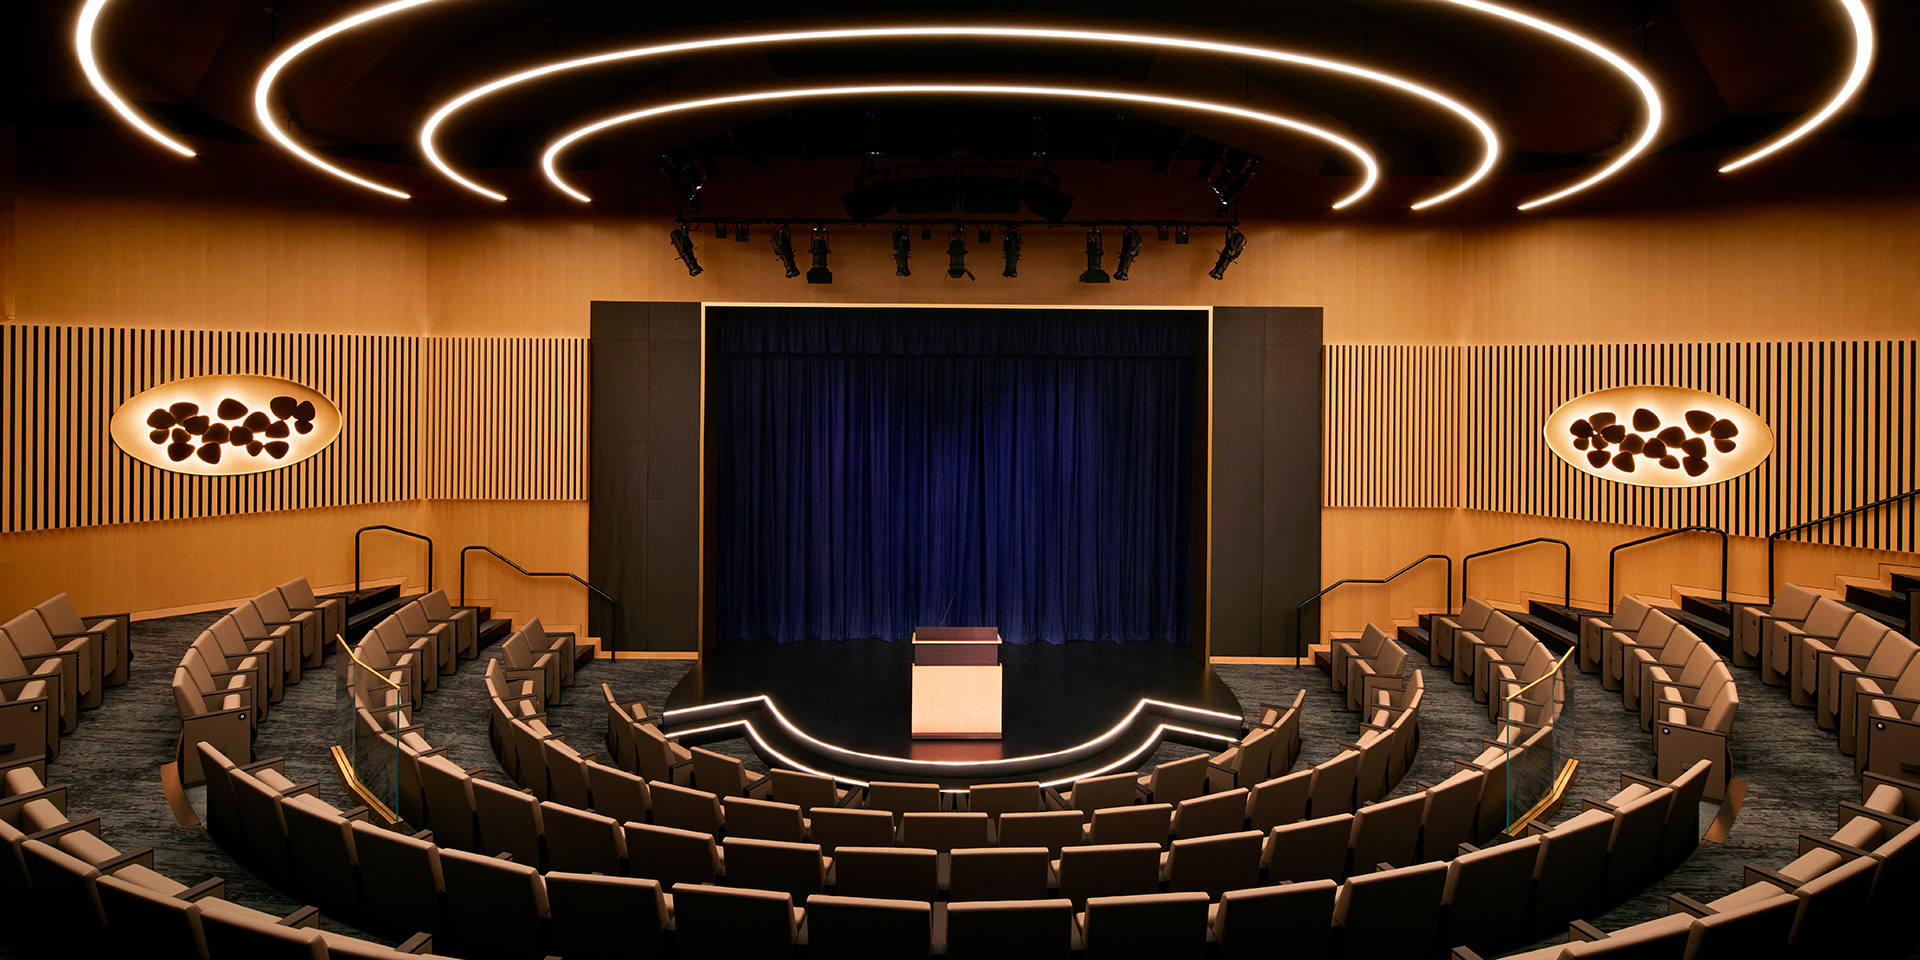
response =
{"points": [[111, 764]]}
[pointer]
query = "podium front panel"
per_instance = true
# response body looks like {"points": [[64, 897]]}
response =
{"points": [[956, 702]]}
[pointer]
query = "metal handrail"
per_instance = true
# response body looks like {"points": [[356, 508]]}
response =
{"points": [[398, 530], [613, 622], [1614, 553], [1774, 537], [1299, 645], [1566, 566]]}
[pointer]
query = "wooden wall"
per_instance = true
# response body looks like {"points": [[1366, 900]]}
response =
{"points": [[505, 419]]}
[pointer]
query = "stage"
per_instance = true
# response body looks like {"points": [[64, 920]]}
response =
{"points": [[1071, 710]]}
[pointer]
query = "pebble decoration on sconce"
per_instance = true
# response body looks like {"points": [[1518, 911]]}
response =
{"points": [[1658, 436], [225, 425]]}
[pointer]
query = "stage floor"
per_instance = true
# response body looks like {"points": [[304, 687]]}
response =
{"points": [[855, 696]]}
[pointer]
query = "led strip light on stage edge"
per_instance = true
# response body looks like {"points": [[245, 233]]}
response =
{"points": [[83, 49], [549, 158], [1862, 62], [1490, 150], [856, 755]]}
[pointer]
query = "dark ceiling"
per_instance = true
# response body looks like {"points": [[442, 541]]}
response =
{"points": [[1730, 73]]}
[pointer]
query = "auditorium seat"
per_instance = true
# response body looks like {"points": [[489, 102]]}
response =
{"points": [[1053, 829], [1342, 652], [942, 832], [581, 841], [236, 933], [1285, 723], [727, 776], [1684, 678], [904, 873], [1889, 655], [899, 799], [661, 760], [519, 655], [1243, 764], [1498, 633], [401, 880], [1506, 678], [1777, 644], [298, 597], [1175, 780], [867, 928], [273, 611], [1451, 814], [464, 620], [30, 704], [1213, 865], [608, 918], [1568, 876], [62, 668], [763, 819], [1248, 923], [994, 799], [1638, 658], [1172, 926], [837, 826], [1037, 929], [260, 681], [1444, 630], [796, 869], [621, 716], [1627, 617], [422, 653], [671, 855], [397, 670], [1750, 622], [1147, 823], [732, 924], [1215, 813], [999, 873], [1389, 914], [809, 790], [224, 720], [494, 907], [1332, 785], [1495, 664], [617, 793], [1308, 850], [566, 773], [443, 638], [1365, 675], [1696, 729], [1655, 631], [1891, 744], [1280, 800], [1486, 895], [326, 865], [1855, 685], [448, 792], [687, 809], [1093, 793], [106, 634], [235, 646], [1389, 831], [286, 638], [149, 923], [81, 657], [560, 644], [1114, 869]]}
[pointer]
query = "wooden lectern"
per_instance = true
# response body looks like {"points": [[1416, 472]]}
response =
{"points": [[956, 683]]}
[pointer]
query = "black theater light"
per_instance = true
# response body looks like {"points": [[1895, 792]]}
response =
{"points": [[957, 255], [740, 235], [818, 250], [1207, 161], [1181, 235], [682, 242], [1010, 249], [1094, 272], [1042, 195], [901, 247], [783, 248], [1229, 252], [986, 235], [1234, 177], [1170, 151], [1130, 244]]}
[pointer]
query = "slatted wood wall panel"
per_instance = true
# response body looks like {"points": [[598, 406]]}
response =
{"points": [[1844, 416], [1393, 425], [507, 418], [62, 383]]}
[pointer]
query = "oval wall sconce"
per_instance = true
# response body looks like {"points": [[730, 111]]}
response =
{"points": [[225, 425], [1658, 436]]}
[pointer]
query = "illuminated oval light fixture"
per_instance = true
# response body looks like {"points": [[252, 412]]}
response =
{"points": [[548, 160], [1862, 62], [263, 88], [83, 50], [225, 425], [1658, 436], [1490, 151], [1647, 92]]}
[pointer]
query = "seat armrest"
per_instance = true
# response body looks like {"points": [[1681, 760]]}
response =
{"points": [[1630, 778], [1891, 823], [1681, 903], [1755, 873], [1223, 769], [1580, 930], [276, 764], [54, 833], [1811, 841], [1051, 799], [855, 799], [655, 721], [1591, 804], [139, 856], [1466, 953], [310, 788], [307, 917], [361, 813], [419, 943], [214, 887]]}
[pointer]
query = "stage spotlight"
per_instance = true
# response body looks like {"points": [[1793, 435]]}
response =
{"points": [[740, 235], [1234, 177], [1042, 195], [1207, 162], [783, 248], [986, 235], [926, 233], [957, 255], [1037, 138], [1170, 151], [1094, 273], [1130, 244], [1181, 235], [1010, 249], [720, 231], [901, 246], [1161, 231], [818, 250], [876, 136], [683, 245], [1229, 252]]}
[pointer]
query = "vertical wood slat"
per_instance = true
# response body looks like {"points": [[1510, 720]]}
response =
{"points": [[1459, 426]]}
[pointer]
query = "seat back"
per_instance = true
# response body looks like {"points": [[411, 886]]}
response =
{"points": [[901, 798], [1793, 602], [1053, 829], [566, 773], [1214, 865], [809, 790], [509, 821], [435, 605], [719, 774], [1094, 793], [796, 869], [686, 808], [323, 857], [1115, 869], [1486, 895], [401, 878], [835, 827], [1309, 850], [1391, 913], [30, 635], [147, 923], [1451, 815], [712, 921], [998, 873], [1331, 791], [235, 933], [1281, 800], [904, 873], [866, 928], [1039, 929], [1388, 832], [1215, 813], [603, 917], [671, 856], [1250, 921], [994, 799], [1161, 925], [1178, 780], [1147, 823], [1567, 876], [764, 819], [945, 831], [617, 793], [581, 841], [1827, 618]]}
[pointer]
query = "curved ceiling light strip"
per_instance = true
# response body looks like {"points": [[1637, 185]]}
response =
{"points": [[1614, 60], [1862, 62], [264, 88], [547, 159], [1490, 151], [83, 50]]}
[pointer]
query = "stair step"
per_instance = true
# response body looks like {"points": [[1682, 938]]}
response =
{"points": [[1897, 622], [360, 624], [1550, 632], [1415, 638], [1890, 602], [1716, 635], [364, 600], [1567, 617], [1906, 581], [494, 630], [1708, 608]]}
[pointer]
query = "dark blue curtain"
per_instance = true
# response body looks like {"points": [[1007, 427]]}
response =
{"points": [[882, 469]]}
